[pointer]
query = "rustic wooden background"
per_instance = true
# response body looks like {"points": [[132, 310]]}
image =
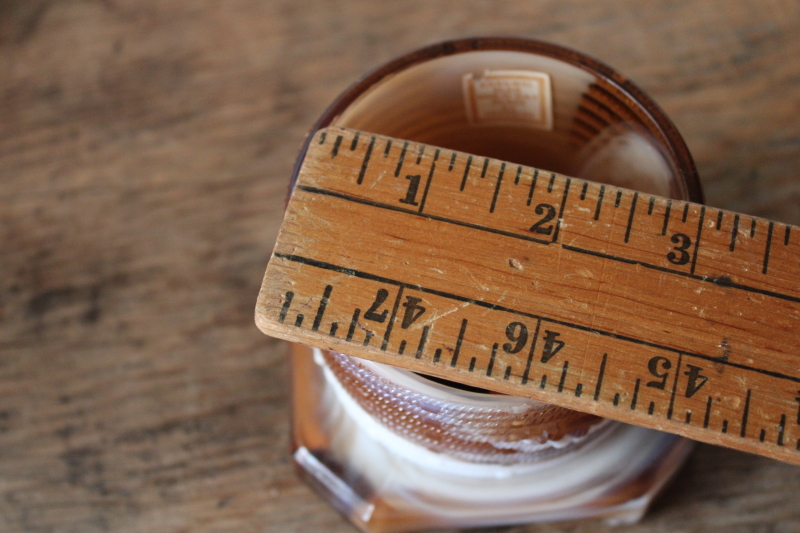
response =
{"points": [[144, 152]]}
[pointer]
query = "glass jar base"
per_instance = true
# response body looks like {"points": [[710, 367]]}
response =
{"points": [[385, 483]]}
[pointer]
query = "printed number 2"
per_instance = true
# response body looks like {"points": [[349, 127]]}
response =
{"points": [[683, 243], [549, 213]]}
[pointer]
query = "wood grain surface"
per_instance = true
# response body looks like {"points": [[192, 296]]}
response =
{"points": [[145, 148]]}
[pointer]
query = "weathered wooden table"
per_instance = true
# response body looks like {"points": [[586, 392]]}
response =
{"points": [[144, 153]]}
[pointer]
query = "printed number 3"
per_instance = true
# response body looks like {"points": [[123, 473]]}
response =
{"points": [[683, 243]]}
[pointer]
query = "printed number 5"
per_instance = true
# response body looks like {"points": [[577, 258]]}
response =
{"points": [[683, 243]]}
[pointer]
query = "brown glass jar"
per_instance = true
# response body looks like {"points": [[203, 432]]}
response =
{"points": [[395, 451]]}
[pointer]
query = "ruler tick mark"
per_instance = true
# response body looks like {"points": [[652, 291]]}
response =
{"points": [[724, 428], [454, 360], [762, 435], [390, 326], [543, 381], [491, 360], [552, 180], [299, 320], [708, 412], [666, 217], [583, 190], [561, 210], [650, 205], [485, 166], [508, 373], [366, 161], [419, 155], [368, 337], [563, 376], [354, 143], [600, 375], [688, 417], [452, 162], [753, 228], [697, 240], [533, 349], [781, 429], [651, 408], [322, 137], [618, 199], [685, 212], [599, 202], [635, 394], [533, 186], [616, 399], [428, 183], [402, 348], [466, 173], [334, 327], [472, 364], [734, 232], [746, 412], [786, 235], [497, 187], [579, 390], [519, 172], [322, 305], [769, 244], [336, 145], [630, 218], [388, 147], [437, 355], [287, 301], [400, 161], [719, 220], [422, 340], [353, 324]]}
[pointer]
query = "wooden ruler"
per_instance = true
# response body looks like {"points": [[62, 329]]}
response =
{"points": [[660, 313]]}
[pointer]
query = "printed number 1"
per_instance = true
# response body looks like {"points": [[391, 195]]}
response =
{"points": [[413, 187]]}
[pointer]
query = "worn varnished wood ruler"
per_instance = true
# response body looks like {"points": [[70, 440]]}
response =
{"points": [[660, 313]]}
